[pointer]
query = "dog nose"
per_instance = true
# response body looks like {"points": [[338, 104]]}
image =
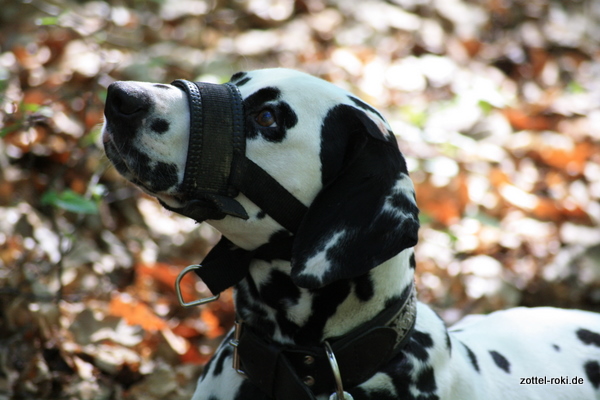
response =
{"points": [[126, 101]]}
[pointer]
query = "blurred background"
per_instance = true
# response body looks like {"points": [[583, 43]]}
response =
{"points": [[495, 104]]}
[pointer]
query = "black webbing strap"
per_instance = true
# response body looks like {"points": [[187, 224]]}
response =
{"points": [[216, 137], [226, 264], [263, 190], [278, 372], [216, 145]]}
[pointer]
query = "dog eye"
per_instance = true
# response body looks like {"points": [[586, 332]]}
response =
{"points": [[266, 118]]}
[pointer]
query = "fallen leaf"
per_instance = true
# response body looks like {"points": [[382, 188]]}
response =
{"points": [[135, 313], [521, 120], [212, 322]]}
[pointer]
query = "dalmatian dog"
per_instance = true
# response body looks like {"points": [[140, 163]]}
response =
{"points": [[325, 300]]}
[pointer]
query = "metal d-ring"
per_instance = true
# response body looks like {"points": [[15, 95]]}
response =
{"points": [[178, 289], [339, 391]]}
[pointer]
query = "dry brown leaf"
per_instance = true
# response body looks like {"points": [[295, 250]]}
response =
{"points": [[212, 322], [521, 120], [135, 313]]}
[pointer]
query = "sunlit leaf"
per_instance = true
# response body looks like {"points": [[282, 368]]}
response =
{"points": [[45, 21], [135, 313], [70, 201]]}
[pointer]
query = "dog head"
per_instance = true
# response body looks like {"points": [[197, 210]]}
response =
{"points": [[328, 149]]}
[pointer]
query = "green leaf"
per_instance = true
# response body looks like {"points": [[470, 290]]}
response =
{"points": [[425, 218], [485, 106], [30, 107], [70, 201], [487, 219], [44, 21], [91, 137], [414, 115], [10, 129], [575, 88]]}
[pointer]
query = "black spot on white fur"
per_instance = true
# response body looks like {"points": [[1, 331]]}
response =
{"points": [[426, 381], [261, 214], [363, 287], [592, 371], [588, 337], [237, 76], [154, 176], [324, 304], [220, 363], [160, 125], [500, 361], [242, 82], [472, 357], [418, 345]]}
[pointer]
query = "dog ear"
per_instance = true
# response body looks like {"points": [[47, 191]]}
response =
{"points": [[366, 212]]}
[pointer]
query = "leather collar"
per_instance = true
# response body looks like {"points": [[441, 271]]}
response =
{"points": [[303, 372]]}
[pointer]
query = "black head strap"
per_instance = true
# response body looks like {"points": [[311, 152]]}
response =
{"points": [[263, 190]]}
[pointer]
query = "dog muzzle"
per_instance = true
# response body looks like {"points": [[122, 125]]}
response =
{"points": [[217, 168]]}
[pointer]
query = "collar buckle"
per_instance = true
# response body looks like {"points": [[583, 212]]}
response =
{"points": [[278, 369], [235, 343]]}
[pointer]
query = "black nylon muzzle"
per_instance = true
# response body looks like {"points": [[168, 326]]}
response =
{"points": [[217, 169], [217, 146]]}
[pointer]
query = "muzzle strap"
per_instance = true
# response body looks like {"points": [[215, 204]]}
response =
{"points": [[217, 169], [216, 147], [263, 190]]}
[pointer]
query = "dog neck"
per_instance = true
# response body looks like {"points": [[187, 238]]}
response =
{"points": [[268, 301]]}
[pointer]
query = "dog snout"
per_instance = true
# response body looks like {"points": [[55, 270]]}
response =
{"points": [[126, 101]]}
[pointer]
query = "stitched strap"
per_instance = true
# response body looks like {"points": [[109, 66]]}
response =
{"points": [[216, 137], [268, 366], [226, 264], [216, 146], [263, 190]]}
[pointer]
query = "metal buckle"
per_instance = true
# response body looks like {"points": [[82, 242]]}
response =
{"points": [[339, 393], [178, 289], [237, 334]]}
